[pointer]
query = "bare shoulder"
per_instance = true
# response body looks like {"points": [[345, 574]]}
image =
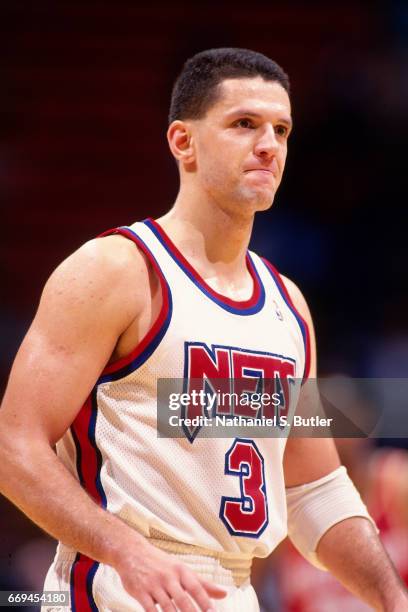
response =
{"points": [[100, 275], [88, 303], [113, 258], [302, 307], [297, 298]]}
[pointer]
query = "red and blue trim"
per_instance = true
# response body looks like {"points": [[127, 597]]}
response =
{"points": [[151, 341], [88, 455], [82, 574], [304, 328], [89, 463], [247, 307]]}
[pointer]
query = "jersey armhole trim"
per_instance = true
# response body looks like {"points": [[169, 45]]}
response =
{"points": [[148, 344], [304, 328]]}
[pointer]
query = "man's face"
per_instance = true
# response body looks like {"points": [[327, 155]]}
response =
{"points": [[241, 144]]}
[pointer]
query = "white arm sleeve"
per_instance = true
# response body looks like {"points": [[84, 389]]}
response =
{"points": [[316, 506]]}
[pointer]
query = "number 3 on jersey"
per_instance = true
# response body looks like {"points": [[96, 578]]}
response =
{"points": [[246, 515]]}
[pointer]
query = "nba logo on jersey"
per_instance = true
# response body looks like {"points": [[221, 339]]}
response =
{"points": [[278, 310]]}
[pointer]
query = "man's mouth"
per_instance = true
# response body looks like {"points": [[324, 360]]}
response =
{"points": [[263, 170]]}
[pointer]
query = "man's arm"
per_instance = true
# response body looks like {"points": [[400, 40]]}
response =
{"points": [[88, 304], [351, 549]]}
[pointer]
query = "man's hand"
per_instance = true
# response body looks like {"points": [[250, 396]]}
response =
{"points": [[153, 576]]}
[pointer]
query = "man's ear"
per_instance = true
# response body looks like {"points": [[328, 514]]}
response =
{"points": [[181, 142]]}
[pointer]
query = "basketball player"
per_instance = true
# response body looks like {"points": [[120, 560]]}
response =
{"points": [[144, 521]]}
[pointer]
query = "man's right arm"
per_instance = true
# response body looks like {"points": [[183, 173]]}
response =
{"points": [[87, 305]]}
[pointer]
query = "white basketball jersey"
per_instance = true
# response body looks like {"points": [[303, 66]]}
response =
{"points": [[221, 493]]}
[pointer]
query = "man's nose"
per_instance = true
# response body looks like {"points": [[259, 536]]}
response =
{"points": [[267, 144]]}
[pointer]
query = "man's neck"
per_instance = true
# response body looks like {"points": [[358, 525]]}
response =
{"points": [[208, 232], [214, 242]]}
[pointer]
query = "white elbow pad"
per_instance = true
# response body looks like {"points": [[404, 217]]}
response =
{"points": [[316, 506]]}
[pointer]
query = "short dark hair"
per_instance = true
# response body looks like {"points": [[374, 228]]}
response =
{"points": [[196, 87]]}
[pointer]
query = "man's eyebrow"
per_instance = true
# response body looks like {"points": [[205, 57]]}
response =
{"points": [[239, 112]]}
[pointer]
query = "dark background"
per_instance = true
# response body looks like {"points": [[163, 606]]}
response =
{"points": [[84, 92]]}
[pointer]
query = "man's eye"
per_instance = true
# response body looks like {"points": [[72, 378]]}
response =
{"points": [[281, 130], [244, 123]]}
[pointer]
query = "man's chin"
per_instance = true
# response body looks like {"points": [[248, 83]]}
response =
{"points": [[266, 205], [263, 203], [248, 202], [249, 209], [258, 197]]}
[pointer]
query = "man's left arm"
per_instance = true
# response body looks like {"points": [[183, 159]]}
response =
{"points": [[323, 501]]}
